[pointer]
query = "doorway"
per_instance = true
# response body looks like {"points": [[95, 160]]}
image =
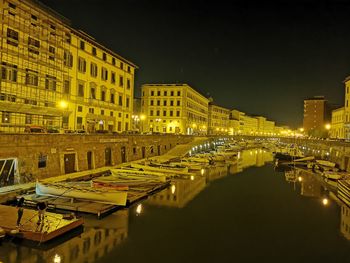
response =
{"points": [[123, 154], [143, 149], [69, 163], [108, 156], [89, 160]]}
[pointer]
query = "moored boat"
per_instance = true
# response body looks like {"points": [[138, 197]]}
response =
{"points": [[82, 192]]}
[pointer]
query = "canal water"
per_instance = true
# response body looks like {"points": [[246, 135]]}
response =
{"points": [[244, 212]]}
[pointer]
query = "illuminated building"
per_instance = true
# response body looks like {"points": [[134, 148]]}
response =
{"points": [[316, 114], [218, 119], [337, 124], [347, 109], [53, 75], [174, 108]]}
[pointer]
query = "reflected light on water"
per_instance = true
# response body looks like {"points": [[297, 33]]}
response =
{"points": [[57, 259], [173, 188], [325, 201], [139, 209]]}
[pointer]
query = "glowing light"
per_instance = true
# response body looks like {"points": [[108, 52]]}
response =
{"points": [[192, 177], [202, 171], [139, 209], [142, 117], [63, 104], [325, 201], [327, 126], [300, 178], [57, 259], [173, 188]]}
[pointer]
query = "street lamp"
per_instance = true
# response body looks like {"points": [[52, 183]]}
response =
{"points": [[63, 105], [328, 127]]}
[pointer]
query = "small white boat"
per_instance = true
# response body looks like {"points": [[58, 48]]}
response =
{"points": [[133, 173], [160, 169], [80, 192], [326, 163]]}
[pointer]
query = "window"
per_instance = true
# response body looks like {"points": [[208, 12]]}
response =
{"points": [[111, 114], [177, 113], [165, 93], [93, 70], [33, 45], [128, 84], [152, 93], [94, 51], [93, 93], [79, 122], [151, 102], [158, 93], [164, 103], [82, 45], [104, 56], [68, 38], [171, 113], [91, 110], [120, 100], [151, 113], [127, 102], [29, 119], [113, 61], [158, 102], [103, 95], [50, 82], [119, 115], [179, 93], [178, 103], [104, 74], [113, 77], [158, 113], [171, 103], [67, 58], [5, 117], [129, 69], [119, 125], [80, 108], [112, 98], [51, 53], [81, 90], [32, 77], [126, 126], [171, 93], [164, 113], [11, 5], [81, 64], [12, 37], [102, 112], [121, 65], [121, 81]]}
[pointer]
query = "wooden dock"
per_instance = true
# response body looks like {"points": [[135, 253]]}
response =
{"points": [[52, 226], [91, 207]]}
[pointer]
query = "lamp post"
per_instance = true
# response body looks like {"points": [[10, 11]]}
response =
{"points": [[63, 105], [142, 118], [328, 127]]}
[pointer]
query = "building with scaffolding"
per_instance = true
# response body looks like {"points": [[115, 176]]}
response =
{"points": [[53, 75]]}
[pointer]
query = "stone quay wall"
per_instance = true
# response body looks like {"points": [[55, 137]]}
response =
{"points": [[46, 155]]}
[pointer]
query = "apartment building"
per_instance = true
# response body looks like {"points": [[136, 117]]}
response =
{"points": [[218, 120], [337, 130], [174, 108], [53, 75]]}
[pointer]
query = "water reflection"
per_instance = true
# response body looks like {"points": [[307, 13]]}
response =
{"points": [[97, 240], [313, 185], [248, 158]]}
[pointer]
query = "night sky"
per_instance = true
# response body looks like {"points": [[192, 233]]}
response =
{"points": [[260, 57]]}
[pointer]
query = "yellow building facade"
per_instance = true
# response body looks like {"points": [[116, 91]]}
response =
{"points": [[174, 108], [337, 130], [55, 76], [218, 120]]}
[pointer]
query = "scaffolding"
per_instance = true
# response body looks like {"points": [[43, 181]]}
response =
{"points": [[32, 67]]}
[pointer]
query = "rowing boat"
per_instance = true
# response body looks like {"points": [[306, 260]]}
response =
{"points": [[82, 192]]}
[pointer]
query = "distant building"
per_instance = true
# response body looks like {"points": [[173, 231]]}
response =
{"points": [[347, 109], [53, 75], [174, 108], [218, 120], [316, 114], [337, 125]]}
